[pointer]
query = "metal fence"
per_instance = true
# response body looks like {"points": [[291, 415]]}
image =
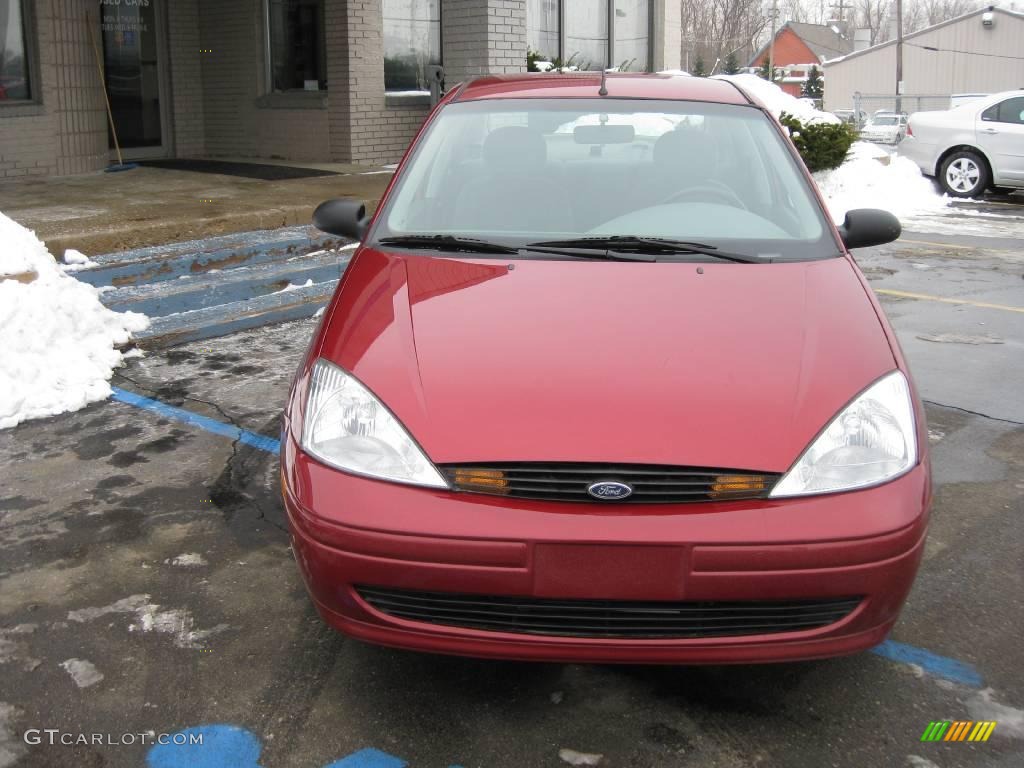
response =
{"points": [[908, 103]]}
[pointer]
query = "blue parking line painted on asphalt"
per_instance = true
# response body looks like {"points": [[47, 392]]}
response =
{"points": [[262, 442], [231, 746], [222, 746], [369, 758], [933, 664]]}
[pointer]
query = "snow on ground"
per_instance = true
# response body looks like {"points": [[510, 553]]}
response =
{"points": [[777, 100], [57, 339], [864, 182], [293, 287]]}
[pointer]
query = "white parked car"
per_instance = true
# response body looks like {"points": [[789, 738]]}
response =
{"points": [[975, 147], [885, 128]]}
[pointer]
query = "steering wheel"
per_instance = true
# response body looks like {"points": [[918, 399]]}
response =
{"points": [[715, 189]]}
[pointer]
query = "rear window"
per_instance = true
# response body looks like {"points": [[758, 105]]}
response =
{"points": [[518, 170]]}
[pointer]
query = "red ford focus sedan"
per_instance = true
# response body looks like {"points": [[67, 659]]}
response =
{"points": [[603, 383]]}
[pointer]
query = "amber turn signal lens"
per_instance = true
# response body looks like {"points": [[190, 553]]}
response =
{"points": [[492, 480], [725, 485]]}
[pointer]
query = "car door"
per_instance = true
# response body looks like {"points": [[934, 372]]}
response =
{"points": [[1000, 132]]}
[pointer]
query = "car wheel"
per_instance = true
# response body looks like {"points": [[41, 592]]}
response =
{"points": [[964, 174]]}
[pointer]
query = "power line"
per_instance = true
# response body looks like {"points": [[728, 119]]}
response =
{"points": [[966, 53]]}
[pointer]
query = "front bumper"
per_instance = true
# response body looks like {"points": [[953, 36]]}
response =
{"points": [[881, 138], [349, 531]]}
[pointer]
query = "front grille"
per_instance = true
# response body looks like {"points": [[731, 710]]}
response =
{"points": [[608, 618], [650, 483]]}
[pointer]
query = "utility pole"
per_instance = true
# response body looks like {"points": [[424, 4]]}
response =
{"points": [[899, 56], [774, 14], [840, 8]]}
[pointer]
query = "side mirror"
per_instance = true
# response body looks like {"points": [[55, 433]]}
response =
{"points": [[339, 216], [865, 227]]}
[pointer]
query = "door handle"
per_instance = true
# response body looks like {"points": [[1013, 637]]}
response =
{"points": [[990, 130]]}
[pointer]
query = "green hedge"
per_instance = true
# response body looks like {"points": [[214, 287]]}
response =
{"points": [[823, 146]]}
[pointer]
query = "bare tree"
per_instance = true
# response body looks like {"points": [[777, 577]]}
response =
{"points": [[712, 29], [937, 11], [873, 15], [707, 22]]}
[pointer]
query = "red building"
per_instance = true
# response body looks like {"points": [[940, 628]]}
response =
{"points": [[798, 46]]}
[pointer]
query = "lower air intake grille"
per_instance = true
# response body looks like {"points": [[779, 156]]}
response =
{"points": [[608, 618], [575, 481]]}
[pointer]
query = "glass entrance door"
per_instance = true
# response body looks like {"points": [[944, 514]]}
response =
{"points": [[132, 54]]}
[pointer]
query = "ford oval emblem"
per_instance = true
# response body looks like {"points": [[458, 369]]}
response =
{"points": [[608, 490]]}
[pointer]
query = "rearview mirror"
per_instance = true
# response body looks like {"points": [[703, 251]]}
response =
{"points": [[603, 134], [864, 227], [346, 218]]}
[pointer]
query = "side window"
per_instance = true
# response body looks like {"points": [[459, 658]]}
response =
{"points": [[412, 41], [1012, 111], [991, 114], [298, 56], [15, 76]]}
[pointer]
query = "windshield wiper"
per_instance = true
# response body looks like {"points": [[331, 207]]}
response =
{"points": [[587, 251], [648, 246], [448, 243]]}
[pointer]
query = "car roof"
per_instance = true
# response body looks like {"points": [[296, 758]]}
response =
{"points": [[584, 85], [1005, 94]]}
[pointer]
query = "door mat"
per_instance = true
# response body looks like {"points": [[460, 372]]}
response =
{"points": [[244, 170]]}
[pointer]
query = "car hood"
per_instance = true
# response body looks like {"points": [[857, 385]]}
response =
{"points": [[716, 365]]}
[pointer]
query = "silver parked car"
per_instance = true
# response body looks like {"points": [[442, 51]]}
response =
{"points": [[885, 128], [977, 146]]}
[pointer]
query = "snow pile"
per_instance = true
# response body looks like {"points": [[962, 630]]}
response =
{"points": [[777, 100], [57, 340], [862, 149], [863, 182]]}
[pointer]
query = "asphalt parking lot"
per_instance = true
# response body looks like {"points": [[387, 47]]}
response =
{"points": [[146, 585]]}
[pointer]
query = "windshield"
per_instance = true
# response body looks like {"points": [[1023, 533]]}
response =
{"points": [[884, 121], [517, 171]]}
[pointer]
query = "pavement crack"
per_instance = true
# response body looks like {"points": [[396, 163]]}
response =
{"points": [[233, 479], [973, 413], [223, 414]]}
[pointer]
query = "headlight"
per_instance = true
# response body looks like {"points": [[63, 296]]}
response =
{"points": [[871, 441], [347, 427]]}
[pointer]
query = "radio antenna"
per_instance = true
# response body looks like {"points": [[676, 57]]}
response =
{"points": [[603, 90]]}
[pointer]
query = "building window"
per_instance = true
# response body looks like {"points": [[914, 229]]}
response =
{"points": [[15, 82], [632, 35], [586, 34], [412, 41], [295, 32], [543, 30], [590, 34]]}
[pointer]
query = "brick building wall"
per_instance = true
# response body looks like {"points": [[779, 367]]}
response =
{"points": [[65, 130], [240, 117], [789, 49], [482, 37], [186, 76], [365, 126], [219, 101]]}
